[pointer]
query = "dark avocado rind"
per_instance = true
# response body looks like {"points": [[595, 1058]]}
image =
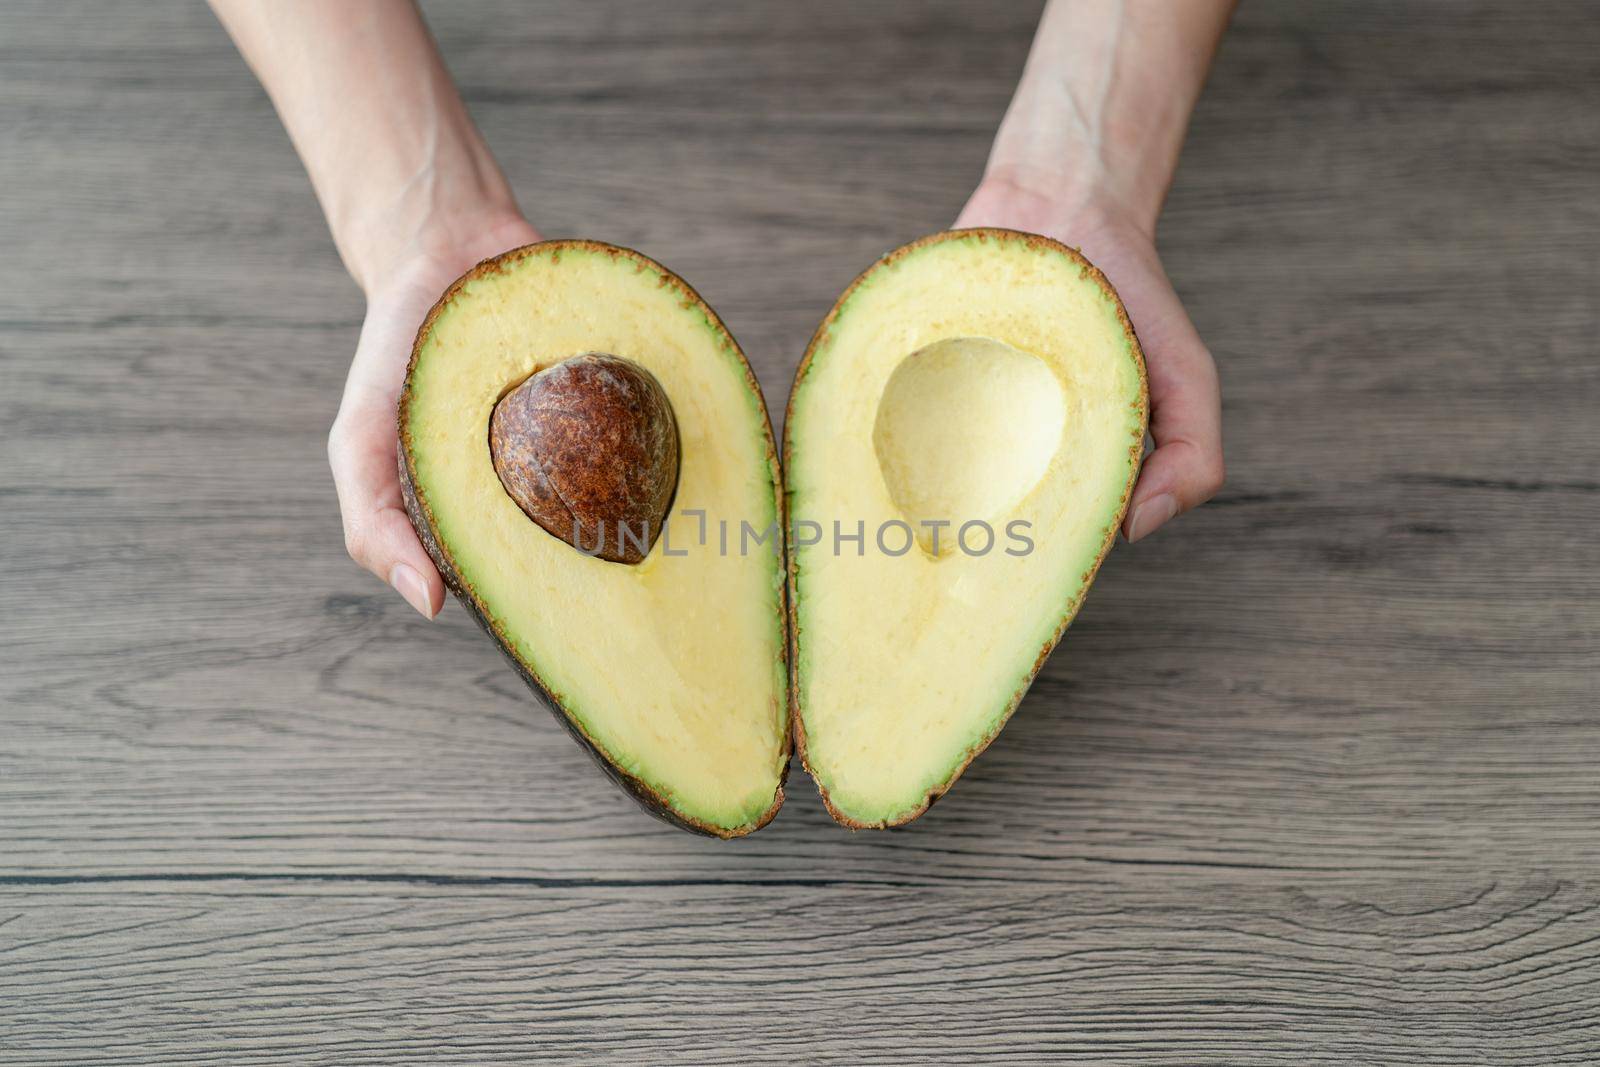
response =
{"points": [[1089, 271], [422, 521]]}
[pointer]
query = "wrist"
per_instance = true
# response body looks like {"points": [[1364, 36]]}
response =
{"points": [[442, 242], [1071, 207], [1099, 115]]}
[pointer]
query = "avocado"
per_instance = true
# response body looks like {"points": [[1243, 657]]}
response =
{"points": [[571, 389], [961, 442]]}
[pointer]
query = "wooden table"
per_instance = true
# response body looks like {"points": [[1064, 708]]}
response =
{"points": [[1314, 778]]}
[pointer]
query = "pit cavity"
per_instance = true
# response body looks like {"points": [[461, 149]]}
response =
{"points": [[966, 427]]}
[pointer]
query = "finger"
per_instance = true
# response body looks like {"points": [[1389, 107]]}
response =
{"points": [[1186, 468], [377, 533]]}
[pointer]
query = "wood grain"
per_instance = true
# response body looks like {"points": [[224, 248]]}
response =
{"points": [[1311, 780], [262, 971]]}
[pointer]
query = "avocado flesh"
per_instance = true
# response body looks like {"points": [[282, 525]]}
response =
{"points": [[974, 375], [670, 671]]}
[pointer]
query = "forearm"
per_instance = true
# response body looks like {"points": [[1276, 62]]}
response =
{"points": [[397, 164], [1099, 116]]}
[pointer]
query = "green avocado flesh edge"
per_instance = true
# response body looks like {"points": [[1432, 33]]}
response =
{"points": [[976, 376], [672, 670]]}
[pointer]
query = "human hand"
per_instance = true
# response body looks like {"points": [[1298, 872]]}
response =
{"points": [[362, 446], [1186, 468], [414, 199]]}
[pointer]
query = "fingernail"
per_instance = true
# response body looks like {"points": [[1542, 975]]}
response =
{"points": [[409, 584], [1148, 517]]}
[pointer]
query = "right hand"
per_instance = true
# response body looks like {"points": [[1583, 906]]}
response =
{"points": [[1186, 468], [363, 444]]}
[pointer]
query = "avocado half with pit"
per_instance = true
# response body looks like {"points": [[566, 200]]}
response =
{"points": [[961, 442], [560, 399]]}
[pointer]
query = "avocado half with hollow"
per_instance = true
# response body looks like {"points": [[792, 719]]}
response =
{"points": [[970, 418], [573, 381]]}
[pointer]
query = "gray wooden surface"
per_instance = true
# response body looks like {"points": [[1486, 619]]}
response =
{"points": [[1315, 777]]}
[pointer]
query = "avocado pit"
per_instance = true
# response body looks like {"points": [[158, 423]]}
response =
{"points": [[965, 428], [588, 449]]}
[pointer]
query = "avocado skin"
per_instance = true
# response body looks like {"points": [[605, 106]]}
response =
{"points": [[797, 725], [422, 522]]}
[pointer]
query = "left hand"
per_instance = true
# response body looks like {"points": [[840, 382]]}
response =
{"points": [[362, 444], [1186, 468]]}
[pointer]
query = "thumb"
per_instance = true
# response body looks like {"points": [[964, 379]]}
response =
{"points": [[1186, 468], [377, 533]]}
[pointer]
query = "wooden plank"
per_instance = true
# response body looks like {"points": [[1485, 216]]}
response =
{"points": [[343, 973]]}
